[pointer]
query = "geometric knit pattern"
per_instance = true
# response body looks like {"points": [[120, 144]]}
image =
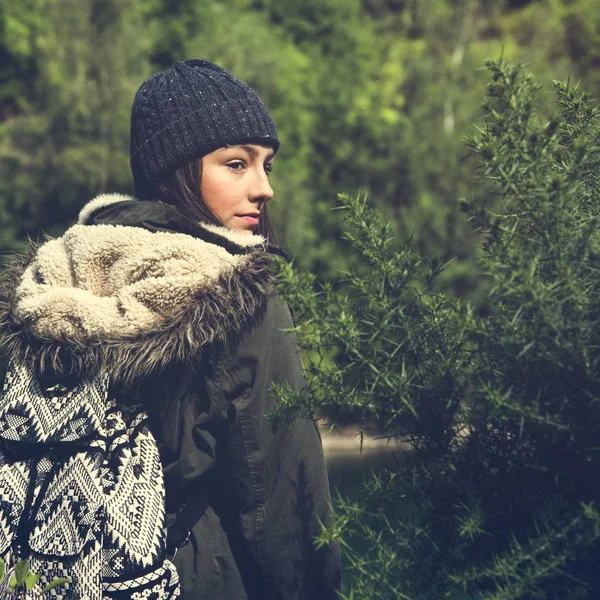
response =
{"points": [[81, 490], [31, 414]]}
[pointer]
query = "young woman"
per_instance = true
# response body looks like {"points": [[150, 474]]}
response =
{"points": [[173, 294]]}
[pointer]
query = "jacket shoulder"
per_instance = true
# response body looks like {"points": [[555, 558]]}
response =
{"points": [[269, 333]]}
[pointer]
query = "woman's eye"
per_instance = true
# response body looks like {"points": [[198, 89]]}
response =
{"points": [[236, 165], [268, 168]]}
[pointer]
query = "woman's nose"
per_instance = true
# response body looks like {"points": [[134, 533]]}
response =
{"points": [[261, 190]]}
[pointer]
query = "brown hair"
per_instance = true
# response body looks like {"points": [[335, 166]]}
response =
{"points": [[182, 189]]}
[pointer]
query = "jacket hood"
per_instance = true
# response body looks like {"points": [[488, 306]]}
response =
{"points": [[133, 287]]}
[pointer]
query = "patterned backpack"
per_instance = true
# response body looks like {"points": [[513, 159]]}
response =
{"points": [[81, 490]]}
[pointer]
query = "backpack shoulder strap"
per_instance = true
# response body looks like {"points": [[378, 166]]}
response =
{"points": [[193, 509]]}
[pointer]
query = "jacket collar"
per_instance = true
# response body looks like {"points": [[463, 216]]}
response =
{"points": [[117, 209]]}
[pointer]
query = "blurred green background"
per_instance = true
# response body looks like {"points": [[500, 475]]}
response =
{"points": [[375, 94]]}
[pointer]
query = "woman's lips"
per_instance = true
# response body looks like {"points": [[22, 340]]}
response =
{"points": [[249, 219]]}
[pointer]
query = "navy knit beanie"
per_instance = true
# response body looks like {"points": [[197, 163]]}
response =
{"points": [[187, 111]]}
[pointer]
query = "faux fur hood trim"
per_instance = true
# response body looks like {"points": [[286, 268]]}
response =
{"points": [[240, 239], [98, 203], [128, 299]]}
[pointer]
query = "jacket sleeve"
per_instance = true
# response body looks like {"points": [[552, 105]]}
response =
{"points": [[272, 482]]}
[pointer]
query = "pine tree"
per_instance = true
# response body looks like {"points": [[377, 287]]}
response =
{"points": [[499, 403]]}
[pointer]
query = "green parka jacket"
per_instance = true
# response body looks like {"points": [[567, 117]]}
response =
{"points": [[186, 318]]}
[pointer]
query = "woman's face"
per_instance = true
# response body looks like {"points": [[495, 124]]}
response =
{"points": [[235, 184]]}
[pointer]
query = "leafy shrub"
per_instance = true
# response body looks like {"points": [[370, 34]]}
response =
{"points": [[499, 404]]}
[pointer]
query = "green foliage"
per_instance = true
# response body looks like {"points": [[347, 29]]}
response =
{"points": [[499, 403], [375, 328], [65, 131], [368, 93], [23, 580]]}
